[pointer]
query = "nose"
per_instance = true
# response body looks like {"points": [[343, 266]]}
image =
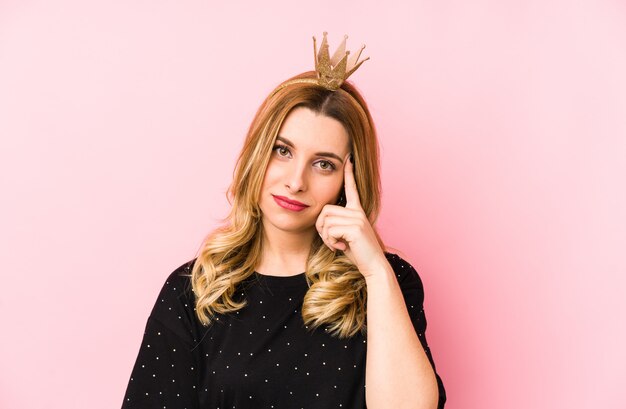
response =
{"points": [[295, 179]]}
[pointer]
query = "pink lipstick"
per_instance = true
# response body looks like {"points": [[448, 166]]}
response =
{"points": [[289, 204]]}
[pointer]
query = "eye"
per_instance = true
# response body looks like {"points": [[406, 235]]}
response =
{"points": [[326, 165], [282, 150]]}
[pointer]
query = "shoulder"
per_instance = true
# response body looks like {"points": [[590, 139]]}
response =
{"points": [[181, 276], [401, 267], [408, 278], [178, 282], [175, 303]]}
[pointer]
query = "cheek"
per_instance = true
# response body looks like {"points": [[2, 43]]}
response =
{"points": [[270, 176], [332, 189]]}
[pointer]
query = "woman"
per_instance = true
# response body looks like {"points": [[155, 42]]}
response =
{"points": [[294, 303]]}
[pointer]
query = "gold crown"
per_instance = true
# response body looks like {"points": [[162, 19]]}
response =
{"points": [[332, 72]]}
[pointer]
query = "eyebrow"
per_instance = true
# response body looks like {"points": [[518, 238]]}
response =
{"points": [[325, 154]]}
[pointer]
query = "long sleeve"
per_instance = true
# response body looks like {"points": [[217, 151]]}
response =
{"points": [[413, 292], [166, 372]]}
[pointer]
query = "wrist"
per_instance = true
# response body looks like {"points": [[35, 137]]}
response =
{"points": [[377, 270]]}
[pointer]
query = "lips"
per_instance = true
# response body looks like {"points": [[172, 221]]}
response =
{"points": [[289, 204]]}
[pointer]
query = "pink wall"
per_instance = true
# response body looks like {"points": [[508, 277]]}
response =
{"points": [[503, 134]]}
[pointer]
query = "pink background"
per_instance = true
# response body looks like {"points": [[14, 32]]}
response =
{"points": [[503, 134]]}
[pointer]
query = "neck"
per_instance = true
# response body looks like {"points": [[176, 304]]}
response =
{"points": [[284, 253]]}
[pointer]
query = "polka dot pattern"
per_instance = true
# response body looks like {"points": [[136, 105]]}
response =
{"points": [[262, 356]]}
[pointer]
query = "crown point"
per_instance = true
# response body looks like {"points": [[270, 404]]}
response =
{"points": [[332, 72]]}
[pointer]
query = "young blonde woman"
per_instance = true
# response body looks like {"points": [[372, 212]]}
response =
{"points": [[293, 302]]}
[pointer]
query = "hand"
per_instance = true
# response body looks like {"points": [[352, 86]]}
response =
{"points": [[348, 229]]}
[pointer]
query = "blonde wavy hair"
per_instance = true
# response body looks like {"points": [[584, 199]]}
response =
{"points": [[337, 294]]}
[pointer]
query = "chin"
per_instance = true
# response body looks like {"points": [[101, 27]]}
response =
{"points": [[292, 227], [288, 224]]}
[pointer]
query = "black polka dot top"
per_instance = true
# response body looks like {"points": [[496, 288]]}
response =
{"points": [[262, 356]]}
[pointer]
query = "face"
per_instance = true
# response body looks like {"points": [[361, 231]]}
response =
{"points": [[305, 171]]}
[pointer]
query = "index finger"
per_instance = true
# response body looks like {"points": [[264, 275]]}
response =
{"points": [[352, 194]]}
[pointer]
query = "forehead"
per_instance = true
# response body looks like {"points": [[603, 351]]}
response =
{"points": [[309, 130]]}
